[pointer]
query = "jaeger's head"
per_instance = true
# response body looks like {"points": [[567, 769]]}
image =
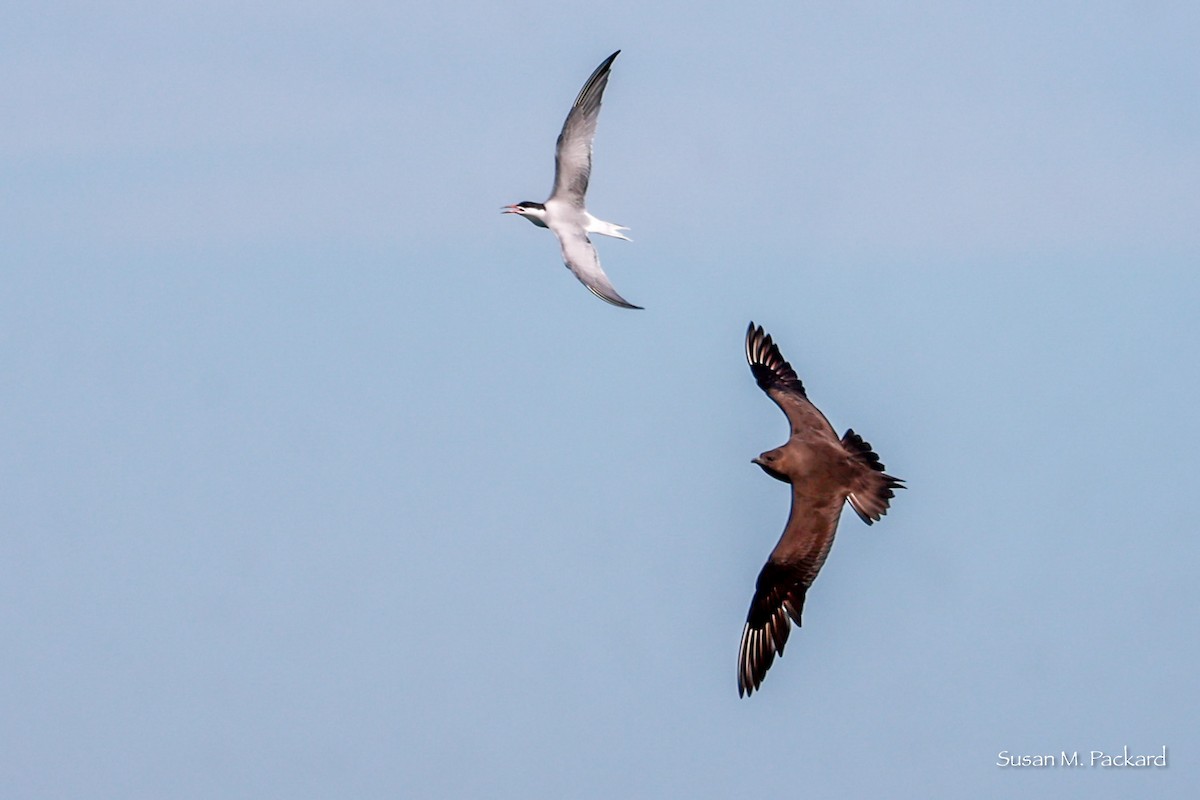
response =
{"points": [[772, 463]]}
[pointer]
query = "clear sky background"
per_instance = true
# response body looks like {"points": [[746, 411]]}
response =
{"points": [[320, 478]]}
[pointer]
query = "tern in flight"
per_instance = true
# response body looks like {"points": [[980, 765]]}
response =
{"points": [[824, 472], [564, 212]]}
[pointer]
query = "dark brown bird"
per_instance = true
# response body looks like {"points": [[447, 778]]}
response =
{"points": [[824, 472]]}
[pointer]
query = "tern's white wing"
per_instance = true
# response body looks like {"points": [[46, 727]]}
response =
{"points": [[573, 155], [580, 257]]}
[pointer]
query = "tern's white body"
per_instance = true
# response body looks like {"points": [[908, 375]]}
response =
{"points": [[567, 216], [564, 212]]}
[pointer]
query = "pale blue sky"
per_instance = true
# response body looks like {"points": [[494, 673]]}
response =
{"points": [[322, 479]]}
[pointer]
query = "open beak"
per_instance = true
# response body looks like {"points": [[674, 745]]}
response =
{"points": [[508, 209]]}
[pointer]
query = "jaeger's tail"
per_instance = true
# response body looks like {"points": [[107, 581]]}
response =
{"points": [[873, 489]]}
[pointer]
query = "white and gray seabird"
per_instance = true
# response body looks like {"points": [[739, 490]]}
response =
{"points": [[564, 212]]}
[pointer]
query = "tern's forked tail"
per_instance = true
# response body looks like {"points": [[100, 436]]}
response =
{"points": [[606, 228]]}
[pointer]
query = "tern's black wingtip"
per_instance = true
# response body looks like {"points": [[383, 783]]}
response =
{"points": [[608, 62]]}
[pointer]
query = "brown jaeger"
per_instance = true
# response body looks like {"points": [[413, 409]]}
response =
{"points": [[824, 472]]}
